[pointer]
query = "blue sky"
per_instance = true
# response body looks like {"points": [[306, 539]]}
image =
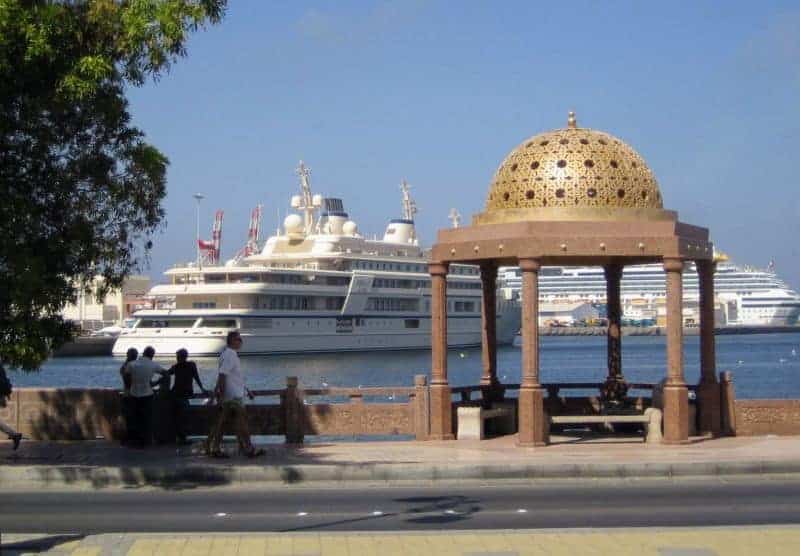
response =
{"points": [[438, 92]]}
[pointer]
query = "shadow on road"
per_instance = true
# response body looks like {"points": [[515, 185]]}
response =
{"points": [[38, 544]]}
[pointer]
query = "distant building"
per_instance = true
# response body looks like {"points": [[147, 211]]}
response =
{"points": [[92, 313]]}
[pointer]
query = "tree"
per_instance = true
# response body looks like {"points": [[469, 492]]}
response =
{"points": [[80, 188]]}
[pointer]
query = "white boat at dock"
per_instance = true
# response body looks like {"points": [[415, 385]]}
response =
{"points": [[317, 286]]}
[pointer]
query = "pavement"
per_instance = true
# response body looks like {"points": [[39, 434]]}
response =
{"points": [[707, 541], [100, 464]]}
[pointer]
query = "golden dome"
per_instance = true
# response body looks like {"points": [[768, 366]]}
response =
{"points": [[573, 170]]}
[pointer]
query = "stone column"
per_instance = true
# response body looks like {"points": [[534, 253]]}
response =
{"points": [[531, 417], [615, 388], [440, 397], [676, 395], [489, 383], [708, 392]]}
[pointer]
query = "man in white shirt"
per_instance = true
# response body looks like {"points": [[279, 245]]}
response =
{"points": [[141, 374], [230, 392]]}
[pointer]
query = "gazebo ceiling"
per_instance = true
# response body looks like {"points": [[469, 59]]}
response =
{"points": [[573, 174]]}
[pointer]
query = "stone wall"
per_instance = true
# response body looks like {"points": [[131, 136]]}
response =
{"points": [[87, 414], [64, 413], [759, 417]]}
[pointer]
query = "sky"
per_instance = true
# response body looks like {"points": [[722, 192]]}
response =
{"points": [[438, 92]]}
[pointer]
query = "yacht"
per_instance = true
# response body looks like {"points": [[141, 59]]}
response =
{"points": [[318, 285], [744, 296]]}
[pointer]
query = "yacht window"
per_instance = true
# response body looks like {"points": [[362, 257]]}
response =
{"points": [[412, 323], [334, 303], [218, 323], [464, 306], [166, 323], [204, 305], [391, 304], [257, 323]]}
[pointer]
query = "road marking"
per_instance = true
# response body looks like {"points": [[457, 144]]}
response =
{"points": [[220, 514], [522, 511], [377, 512], [302, 514]]}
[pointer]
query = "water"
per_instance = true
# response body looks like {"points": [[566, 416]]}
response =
{"points": [[763, 365]]}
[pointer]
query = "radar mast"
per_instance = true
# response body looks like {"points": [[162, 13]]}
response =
{"points": [[306, 203], [409, 205]]}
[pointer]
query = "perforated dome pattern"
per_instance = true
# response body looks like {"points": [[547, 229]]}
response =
{"points": [[573, 167]]}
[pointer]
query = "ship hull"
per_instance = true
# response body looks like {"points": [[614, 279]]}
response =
{"points": [[298, 335]]}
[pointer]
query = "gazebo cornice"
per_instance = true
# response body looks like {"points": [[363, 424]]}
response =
{"points": [[575, 243]]}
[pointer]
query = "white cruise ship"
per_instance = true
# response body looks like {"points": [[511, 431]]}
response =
{"points": [[744, 296], [319, 286]]}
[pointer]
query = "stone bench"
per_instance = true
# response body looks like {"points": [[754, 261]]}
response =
{"points": [[472, 420], [651, 420]]}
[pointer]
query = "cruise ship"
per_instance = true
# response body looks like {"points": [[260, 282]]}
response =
{"points": [[316, 286], [745, 296]]}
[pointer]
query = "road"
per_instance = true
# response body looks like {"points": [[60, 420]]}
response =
{"points": [[379, 508]]}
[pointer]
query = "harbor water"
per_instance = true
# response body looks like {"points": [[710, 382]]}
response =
{"points": [[764, 365]]}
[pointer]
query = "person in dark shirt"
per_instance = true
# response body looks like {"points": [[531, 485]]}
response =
{"points": [[5, 392], [185, 372]]}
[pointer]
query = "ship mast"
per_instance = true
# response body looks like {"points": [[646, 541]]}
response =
{"points": [[307, 199], [409, 206], [409, 210]]}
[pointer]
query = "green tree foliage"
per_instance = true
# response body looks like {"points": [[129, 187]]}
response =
{"points": [[80, 188]]}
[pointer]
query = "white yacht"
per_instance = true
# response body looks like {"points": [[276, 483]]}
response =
{"points": [[318, 286], [745, 296]]}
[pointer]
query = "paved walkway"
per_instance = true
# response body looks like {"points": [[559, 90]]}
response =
{"points": [[709, 541], [100, 463]]}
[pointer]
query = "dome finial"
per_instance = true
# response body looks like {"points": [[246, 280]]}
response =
{"points": [[572, 121]]}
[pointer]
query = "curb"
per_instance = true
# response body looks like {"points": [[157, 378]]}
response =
{"points": [[78, 476]]}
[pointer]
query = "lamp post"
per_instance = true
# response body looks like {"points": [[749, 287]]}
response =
{"points": [[198, 197]]}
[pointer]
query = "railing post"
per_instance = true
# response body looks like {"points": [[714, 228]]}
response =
{"points": [[422, 412], [293, 412], [356, 398], [728, 403]]}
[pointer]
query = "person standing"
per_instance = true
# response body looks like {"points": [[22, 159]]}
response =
{"points": [[127, 400], [230, 392], [141, 374], [5, 392], [185, 373]]}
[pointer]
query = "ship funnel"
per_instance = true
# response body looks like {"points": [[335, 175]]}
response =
{"points": [[400, 230], [333, 216]]}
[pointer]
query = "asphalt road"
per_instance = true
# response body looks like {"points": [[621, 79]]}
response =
{"points": [[565, 505]]}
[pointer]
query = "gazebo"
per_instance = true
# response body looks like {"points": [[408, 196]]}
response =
{"points": [[576, 196]]}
